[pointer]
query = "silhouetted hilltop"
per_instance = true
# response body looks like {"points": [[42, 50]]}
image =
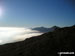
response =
{"points": [[48, 44], [44, 29]]}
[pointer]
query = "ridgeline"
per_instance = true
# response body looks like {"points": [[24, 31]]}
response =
{"points": [[48, 44]]}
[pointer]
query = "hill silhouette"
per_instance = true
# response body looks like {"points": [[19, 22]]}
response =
{"points": [[48, 44], [44, 29]]}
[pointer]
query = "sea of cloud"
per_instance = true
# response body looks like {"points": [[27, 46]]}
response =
{"points": [[14, 34]]}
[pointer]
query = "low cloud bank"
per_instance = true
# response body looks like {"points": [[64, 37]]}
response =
{"points": [[13, 34]]}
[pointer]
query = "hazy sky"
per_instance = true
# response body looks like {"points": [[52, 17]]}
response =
{"points": [[32, 13]]}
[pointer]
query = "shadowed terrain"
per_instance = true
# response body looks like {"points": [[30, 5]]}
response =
{"points": [[48, 44]]}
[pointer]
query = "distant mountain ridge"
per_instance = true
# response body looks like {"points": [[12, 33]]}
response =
{"points": [[44, 29], [48, 44]]}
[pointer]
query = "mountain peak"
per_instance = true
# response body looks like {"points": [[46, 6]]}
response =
{"points": [[45, 29]]}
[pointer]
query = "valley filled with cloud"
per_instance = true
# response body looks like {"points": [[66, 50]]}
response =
{"points": [[14, 34]]}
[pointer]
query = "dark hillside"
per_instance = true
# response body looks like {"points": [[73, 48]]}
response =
{"points": [[48, 44]]}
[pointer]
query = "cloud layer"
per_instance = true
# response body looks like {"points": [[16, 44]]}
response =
{"points": [[13, 34]]}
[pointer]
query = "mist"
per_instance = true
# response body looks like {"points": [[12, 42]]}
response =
{"points": [[15, 34]]}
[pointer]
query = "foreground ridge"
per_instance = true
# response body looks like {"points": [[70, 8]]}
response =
{"points": [[48, 44]]}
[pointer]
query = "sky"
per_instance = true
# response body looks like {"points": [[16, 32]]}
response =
{"points": [[33, 13]]}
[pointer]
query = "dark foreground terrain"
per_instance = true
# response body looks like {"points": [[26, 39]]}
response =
{"points": [[48, 44]]}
